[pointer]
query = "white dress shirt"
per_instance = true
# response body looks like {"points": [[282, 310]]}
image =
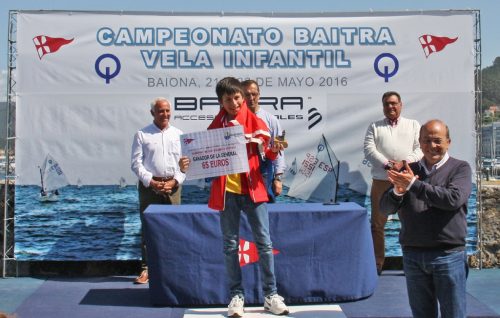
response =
{"points": [[156, 153]]}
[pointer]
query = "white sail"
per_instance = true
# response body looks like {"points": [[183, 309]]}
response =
{"points": [[290, 173], [53, 176], [122, 183], [317, 175], [201, 183]]}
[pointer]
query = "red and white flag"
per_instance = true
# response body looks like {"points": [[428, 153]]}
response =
{"points": [[248, 253], [431, 43], [46, 44]]}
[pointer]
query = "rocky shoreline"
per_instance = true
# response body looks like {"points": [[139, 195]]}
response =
{"points": [[488, 254]]}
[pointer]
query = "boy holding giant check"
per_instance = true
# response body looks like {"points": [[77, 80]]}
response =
{"points": [[215, 152], [235, 143]]}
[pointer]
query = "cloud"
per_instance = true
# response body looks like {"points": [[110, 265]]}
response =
{"points": [[3, 85]]}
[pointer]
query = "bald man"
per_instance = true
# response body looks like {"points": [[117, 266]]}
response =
{"points": [[431, 198]]}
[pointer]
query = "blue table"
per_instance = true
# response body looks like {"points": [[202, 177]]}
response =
{"points": [[324, 254]]}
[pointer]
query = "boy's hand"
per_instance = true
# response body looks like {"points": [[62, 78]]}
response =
{"points": [[184, 164]]}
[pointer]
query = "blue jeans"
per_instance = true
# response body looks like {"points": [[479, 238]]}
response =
{"points": [[434, 277], [258, 218], [267, 171]]}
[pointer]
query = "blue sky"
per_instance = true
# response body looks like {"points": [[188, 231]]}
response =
{"points": [[490, 10]]}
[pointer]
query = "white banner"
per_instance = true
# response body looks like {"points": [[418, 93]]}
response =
{"points": [[85, 80], [215, 152]]}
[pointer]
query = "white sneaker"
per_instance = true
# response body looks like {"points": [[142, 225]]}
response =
{"points": [[275, 305], [235, 308]]}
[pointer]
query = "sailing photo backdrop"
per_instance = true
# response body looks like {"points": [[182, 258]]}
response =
{"points": [[84, 81]]}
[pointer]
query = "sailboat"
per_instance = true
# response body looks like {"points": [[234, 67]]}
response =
{"points": [[122, 183], [52, 178], [316, 177], [290, 173], [202, 183]]}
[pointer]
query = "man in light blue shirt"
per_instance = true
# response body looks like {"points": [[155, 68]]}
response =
{"points": [[271, 171]]}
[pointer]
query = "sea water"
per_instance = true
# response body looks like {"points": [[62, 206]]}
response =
{"points": [[102, 222]]}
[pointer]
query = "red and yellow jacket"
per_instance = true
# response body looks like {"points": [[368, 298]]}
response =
{"points": [[258, 137]]}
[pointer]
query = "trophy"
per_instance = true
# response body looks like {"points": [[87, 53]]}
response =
{"points": [[281, 140]]}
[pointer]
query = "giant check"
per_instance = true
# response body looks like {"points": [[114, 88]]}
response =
{"points": [[215, 152]]}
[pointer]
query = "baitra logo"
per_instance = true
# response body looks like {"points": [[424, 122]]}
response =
{"points": [[187, 141], [46, 44], [431, 43], [248, 253]]}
